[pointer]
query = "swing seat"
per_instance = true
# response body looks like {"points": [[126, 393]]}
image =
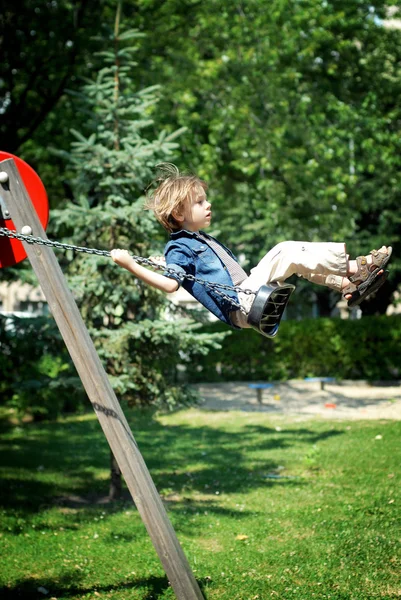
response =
{"points": [[268, 307]]}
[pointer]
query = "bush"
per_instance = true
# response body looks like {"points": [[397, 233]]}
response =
{"points": [[367, 349], [38, 377]]}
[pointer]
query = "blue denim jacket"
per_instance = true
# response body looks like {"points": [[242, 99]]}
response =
{"points": [[187, 253]]}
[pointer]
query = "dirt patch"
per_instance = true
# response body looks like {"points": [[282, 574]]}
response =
{"points": [[345, 400]]}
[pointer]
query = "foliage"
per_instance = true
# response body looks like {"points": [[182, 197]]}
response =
{"points": [[291, 113], [35, 110], [113, 159], [263, 507], [292, 117], [58, 36], [368, 348], [38, 378]]}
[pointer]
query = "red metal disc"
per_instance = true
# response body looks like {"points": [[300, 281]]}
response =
{"points": [[12, 251]]}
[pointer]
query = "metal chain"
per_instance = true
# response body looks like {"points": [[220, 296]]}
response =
{"points": [[217, 287]]}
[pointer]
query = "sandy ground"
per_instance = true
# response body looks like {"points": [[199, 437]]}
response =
{"points": [[345, 400]]}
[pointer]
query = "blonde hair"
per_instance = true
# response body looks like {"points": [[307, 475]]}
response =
{"points": [[171, 194]]}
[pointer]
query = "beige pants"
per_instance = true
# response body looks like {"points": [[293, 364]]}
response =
{"points": [[321, 263]]}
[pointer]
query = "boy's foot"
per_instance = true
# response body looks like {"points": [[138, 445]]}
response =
{"points": [[366, 275]]}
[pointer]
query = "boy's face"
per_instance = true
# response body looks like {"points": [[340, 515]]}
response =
{"points": [[197, 213]]}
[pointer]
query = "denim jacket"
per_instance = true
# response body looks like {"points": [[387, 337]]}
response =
{"points": [[187, 253]]}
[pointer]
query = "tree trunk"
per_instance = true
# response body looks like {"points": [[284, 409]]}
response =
{"points": [[115, 479]]}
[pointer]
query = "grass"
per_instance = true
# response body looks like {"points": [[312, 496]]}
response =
{"points": [[263, 507]]}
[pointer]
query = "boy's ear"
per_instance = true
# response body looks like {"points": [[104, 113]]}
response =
{"points": [[177, 215]]}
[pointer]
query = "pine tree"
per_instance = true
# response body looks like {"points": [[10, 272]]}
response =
{"points": [[114, 161]]}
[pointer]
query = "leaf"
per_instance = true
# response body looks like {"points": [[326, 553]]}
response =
{"points": [[129, 35], [176, 133], [118, 311]]}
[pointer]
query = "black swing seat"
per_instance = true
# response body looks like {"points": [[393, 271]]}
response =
{"points": [[268, 307]]}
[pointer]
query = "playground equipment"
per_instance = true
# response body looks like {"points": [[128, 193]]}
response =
{"points": [[267, 308], [11, 250], [24, 214]]}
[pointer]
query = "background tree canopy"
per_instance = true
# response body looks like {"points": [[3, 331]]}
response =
{"points": [[292, 110], [292, 115]]}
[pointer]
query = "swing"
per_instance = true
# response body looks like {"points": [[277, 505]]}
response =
{"points": [[268, 308], [265, 313]]}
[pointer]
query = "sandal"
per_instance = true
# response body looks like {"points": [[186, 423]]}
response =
{"points": [[367, 278]]}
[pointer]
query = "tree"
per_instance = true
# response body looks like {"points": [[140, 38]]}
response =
{"points": [[38, 379], [291, 115], [290, 112], [114, 161], [46, 47], [43, 47]]}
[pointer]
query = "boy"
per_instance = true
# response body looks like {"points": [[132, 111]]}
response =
{"points": [[181, 206]]}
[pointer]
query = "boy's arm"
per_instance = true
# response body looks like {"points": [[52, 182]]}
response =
{"points": [[156, 280]]}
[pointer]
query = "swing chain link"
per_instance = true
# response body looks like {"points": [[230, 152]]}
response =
{"points": [[216, 287]]}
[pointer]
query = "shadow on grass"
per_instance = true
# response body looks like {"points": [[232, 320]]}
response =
{"points": [[68, 587], [182, 459]]}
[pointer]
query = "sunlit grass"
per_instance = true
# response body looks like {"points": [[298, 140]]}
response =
{"points": [[264, 508]]}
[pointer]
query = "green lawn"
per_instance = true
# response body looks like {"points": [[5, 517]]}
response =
{"points": [[265, 507]]}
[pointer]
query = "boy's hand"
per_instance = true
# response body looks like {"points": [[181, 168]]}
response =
{"points": [[160, 260], [121, 257], [156, 280]]}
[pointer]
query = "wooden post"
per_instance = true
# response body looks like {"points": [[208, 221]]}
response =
{"points": [[99, 390]]}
